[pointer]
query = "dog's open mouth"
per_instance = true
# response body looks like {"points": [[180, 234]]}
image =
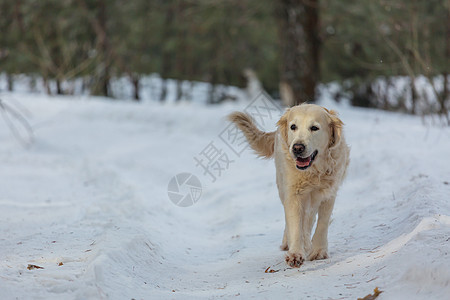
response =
{"points": [[303, 163]]}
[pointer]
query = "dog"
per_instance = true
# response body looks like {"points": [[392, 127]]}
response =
{"points": [[311, 159]]}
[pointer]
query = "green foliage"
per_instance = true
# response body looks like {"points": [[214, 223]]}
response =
{"points": [[365, 39], [215, 40]]}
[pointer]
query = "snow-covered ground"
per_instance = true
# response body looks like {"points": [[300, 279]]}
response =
{"points": [[88, 202]]}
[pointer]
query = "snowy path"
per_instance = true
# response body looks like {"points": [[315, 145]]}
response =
{"points": [[91, 193]]}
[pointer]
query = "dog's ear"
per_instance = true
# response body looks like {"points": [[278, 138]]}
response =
{"points": [[282, 124], [336, 128]]}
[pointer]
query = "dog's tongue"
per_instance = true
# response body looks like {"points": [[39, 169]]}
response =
{"points": [[303, 162]]}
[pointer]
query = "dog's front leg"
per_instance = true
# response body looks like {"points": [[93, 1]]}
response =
{"points": [[320, 238], [293, 210]]}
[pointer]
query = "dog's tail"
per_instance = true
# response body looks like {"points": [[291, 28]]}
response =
{"points": [[262, 142]]}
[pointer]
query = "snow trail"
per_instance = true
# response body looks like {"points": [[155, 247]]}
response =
{"points": [[91, 193]]}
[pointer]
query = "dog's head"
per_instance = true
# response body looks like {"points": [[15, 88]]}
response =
{"points": [[309, 130]]}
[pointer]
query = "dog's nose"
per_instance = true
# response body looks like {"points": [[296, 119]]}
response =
{"points": [[298, 149]]}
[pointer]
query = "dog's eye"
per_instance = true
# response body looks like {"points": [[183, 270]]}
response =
{"points": [[314, 128], [293, 127]]}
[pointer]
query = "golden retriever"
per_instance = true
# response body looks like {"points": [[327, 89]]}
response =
{"points": [[311, 159]]}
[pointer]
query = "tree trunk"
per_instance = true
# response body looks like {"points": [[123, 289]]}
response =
{"points": [[445, 93], [167, 56], [212, 89], [298, 25], [135, 81], [33, 83], [211, 94], [101, 87], [189, 91], [179, 90], [163, 94], [180, 54], [413, 95], [10, 80], [47, 84], [59, 90], [386, 93]]}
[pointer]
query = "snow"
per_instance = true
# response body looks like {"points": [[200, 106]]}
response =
{"points": [[150, 87], [91, 193]]}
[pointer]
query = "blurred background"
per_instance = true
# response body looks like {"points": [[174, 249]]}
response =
{"points": [[392, 55]]}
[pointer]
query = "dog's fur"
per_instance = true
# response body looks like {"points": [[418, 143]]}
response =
{"points": [[307, 183]]}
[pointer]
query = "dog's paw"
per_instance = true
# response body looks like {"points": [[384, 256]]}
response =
{"points": [[294, 260], [318, 253], [284, 246]]}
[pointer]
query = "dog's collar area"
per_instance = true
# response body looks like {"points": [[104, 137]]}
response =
{"points": [[303, 163]]}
